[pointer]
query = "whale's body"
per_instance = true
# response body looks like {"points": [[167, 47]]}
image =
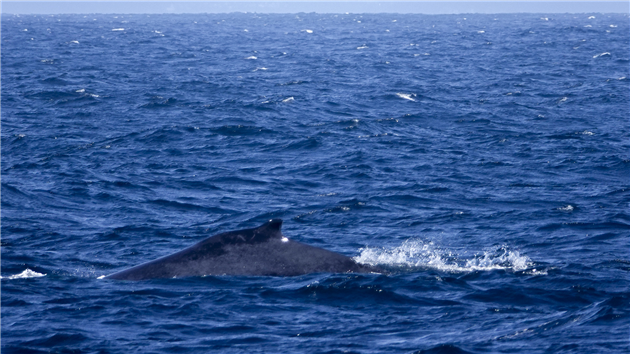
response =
{"points": [[262, 251]]}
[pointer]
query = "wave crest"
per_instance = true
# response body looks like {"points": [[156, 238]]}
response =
{"points": [[27, 273]]}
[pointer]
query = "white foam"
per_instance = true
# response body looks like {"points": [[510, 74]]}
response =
{"points": [[406, 96], [362, 47], [290, 99], [309, 31], [591, 17], [416, 253], [27, 273], [251, 58], [566, 208], [601, 55], [118, 29], [75, 42]]}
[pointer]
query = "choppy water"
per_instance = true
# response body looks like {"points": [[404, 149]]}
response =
{"points": [[483, 159]]}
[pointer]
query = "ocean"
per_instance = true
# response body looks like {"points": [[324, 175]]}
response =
{"points": [[483, 160]]}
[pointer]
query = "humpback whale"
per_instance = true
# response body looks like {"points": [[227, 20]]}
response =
{"points": [[262, 251]]}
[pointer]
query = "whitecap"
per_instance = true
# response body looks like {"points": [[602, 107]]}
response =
{"points": [[309, 31], [75, 42], [601, 55], [613, 26], [407, 96], [27, 273], [416, 253], [586, 132], [118, 29], [290, 99], [362, 47], [591, 17], [251, 58], [481, 31], [567, 207]]}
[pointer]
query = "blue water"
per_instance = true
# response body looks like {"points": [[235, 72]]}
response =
{"points": [[483, 159]]}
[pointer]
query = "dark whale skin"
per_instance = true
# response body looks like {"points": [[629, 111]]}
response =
{"points": [[261, 251]]}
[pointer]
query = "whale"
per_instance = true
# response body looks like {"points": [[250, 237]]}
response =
{"points": [[260, 251]]}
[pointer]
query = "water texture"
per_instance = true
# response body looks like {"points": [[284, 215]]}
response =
{"points": [[484, 160]]}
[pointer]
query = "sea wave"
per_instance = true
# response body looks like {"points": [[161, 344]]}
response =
{"points": [[27, 273]]}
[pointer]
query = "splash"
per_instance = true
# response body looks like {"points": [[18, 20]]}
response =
{"points": [[417, 254], [27, 273]]}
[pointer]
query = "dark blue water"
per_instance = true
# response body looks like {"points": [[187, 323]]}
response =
{"points": [[483, 159]]}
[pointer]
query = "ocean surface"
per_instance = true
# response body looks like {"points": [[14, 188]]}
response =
{"points": [[483, 160]]}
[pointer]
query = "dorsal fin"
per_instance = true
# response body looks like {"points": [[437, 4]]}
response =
{"points": [[266, 231], [272, 225]]}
